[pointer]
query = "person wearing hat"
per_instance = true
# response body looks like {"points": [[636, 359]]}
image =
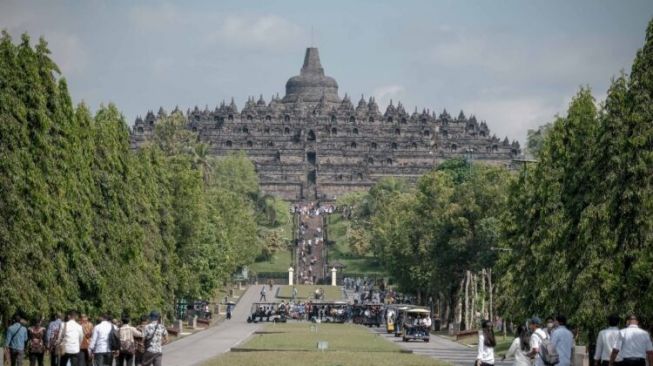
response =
{"points": [[633, 345], [155, 336], [537, 337]]}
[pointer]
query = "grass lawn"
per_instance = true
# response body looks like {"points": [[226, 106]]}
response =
{"points": [[349, 345], [341, 252], [331, 293], [278, 263], [503, 343]]}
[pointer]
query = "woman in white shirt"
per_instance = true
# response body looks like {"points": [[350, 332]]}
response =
{"points": [[486, 344], [520, 348]]}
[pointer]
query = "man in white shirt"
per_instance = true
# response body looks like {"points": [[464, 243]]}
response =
{"points": [[71, 336], [99, 346], [536, 340], [634, 345], [606, 342], [563, 340]]}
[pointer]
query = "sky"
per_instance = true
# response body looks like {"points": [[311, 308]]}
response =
{"points": [[515, 64]]}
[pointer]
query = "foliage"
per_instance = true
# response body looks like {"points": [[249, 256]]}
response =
{"points": [[88, 223], [580, 223]]}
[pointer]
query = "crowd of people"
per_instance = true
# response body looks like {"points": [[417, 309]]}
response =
{"points": [[309, 240], [74, 340], [552, 343]]}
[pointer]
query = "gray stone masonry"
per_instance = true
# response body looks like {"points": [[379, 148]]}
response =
{"points": [[312, 144]]}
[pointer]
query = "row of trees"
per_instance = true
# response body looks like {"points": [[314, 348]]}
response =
{"points": [[88, 223], [580, 225], [437, 238], [570, 233]]}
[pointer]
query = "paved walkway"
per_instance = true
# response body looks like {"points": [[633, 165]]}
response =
{"points": [[439, 348], [202, 346]]}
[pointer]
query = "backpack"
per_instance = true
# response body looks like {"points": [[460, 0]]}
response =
{"points": [[114, 339], [128, 346], [548, 352]]}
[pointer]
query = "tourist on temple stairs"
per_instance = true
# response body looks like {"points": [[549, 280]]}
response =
{"points": [[87, 327], [563, 341], [486, 344], [100, 347], [128, 336], [51, 337], [519, 348], [70, 337], [15, 341], [155, 335], [36, 344], [634, 345], [606, 341], [538, 335]]}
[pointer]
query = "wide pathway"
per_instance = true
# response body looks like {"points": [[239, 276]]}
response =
{"points": [[202, 346], [439, 348]]}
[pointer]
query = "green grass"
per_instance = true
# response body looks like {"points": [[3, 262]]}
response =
{"points": [[296, 345], [342, 358], [304, 337], [331, 293], [503, 343], [278, 263], [341, 252]]}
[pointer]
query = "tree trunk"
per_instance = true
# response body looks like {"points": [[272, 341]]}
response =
{"points": [[459, 306], [490, 289], [466, 309], [483, 295]]}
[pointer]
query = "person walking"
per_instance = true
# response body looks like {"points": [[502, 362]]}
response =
{"points": [[99, 346], [70, 338], [51, 337], [538, 335], [36, 344], [87, 327], [263, 292], [606, 341], [486, 344], [563, 341], [140, 342], [15, 341], [519, 348], [634, 345], [127, 343], [155, 336]]}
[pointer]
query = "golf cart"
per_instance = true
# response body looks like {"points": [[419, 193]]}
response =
{"points": [[414, 329], [400, 319], [268, 312], [367, 314], [392, 316]]}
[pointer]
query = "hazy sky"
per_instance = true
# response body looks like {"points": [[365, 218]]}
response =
{"points": [[513, 63]]}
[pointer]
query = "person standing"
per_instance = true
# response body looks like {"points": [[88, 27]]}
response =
{"points": [[127, 343], [87, 327], [51, 337], [99, 345], [70, 337], [563, 341], [519, 348], [263, 292], [140, 342], [538, 335], [15, 341], [634, 345], [486, 344], [155, 336], [36, 343], [606, 341]]}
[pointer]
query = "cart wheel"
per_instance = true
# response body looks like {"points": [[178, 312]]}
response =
{"points": [[426, 340], [405, 339], [249, 320]]}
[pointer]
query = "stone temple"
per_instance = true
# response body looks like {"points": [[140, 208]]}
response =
{"points": [[314, 145]]}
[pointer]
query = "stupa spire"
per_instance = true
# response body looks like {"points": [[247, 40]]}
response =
{"points": [[312, 65]]}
